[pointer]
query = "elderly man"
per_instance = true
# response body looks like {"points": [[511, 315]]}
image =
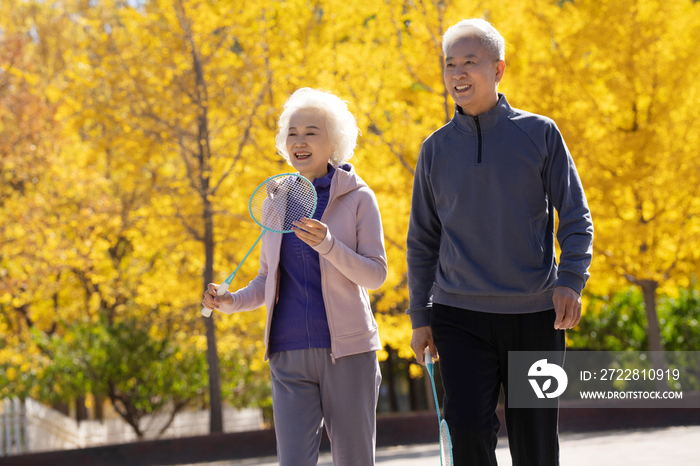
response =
{"points": [[482, 272]]}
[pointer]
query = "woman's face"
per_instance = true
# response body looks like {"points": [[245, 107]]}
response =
{"points": [[308, 144]]}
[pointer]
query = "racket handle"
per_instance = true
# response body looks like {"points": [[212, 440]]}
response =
{"points": [[223, 288], [428, 356]]}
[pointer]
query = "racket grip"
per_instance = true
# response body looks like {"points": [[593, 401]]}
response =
{"points": [[223, 288], [428, 356]]}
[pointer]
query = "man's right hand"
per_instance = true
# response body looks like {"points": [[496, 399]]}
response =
{"points": [[423, 338]]}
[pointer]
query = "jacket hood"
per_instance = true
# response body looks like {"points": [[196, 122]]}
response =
{"points": [[345, 180]]}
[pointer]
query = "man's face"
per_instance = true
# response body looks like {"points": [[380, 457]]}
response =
{"points": [[472, 76]]}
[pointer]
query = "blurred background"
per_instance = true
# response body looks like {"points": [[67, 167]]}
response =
{"points": [[132, 133]]}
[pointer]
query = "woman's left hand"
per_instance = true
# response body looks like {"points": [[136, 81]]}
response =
{"points": [[310, 231]]}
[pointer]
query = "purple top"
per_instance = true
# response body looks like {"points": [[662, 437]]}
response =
{"points": [[299, 320]]}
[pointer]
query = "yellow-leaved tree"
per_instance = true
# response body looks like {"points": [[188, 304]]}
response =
{"points": [[29, 147], [619, 79], [132, 135], [169, 94]]}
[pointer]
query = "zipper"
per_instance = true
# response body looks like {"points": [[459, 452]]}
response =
{"points": [[478, 133], [323, 288], [306, 293], [328, 314]]}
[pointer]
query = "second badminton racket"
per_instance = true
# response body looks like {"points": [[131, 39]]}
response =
{"points": [[445, 439]]}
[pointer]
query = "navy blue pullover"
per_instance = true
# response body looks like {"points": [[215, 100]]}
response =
{"points": [[300, 320]]}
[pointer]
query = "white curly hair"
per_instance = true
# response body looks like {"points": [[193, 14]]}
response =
{"points": [[340, 123], [490, 38]]}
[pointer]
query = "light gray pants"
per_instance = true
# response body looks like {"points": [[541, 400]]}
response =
{"points": [[308, 390]]}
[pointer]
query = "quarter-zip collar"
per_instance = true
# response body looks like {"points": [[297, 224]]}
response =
{"points": [[486, 121]]}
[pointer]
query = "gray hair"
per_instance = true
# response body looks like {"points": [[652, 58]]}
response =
{"points": [[340, 123], [490, 38]]}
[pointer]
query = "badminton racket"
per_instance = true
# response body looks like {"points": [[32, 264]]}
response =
{"points": [[445, 439], [275, 205]]}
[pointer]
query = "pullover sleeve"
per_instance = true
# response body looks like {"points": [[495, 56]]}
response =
{"points": [[423, 244], [575, 231], [368, 266]]}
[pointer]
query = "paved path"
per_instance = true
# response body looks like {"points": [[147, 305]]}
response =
{"points": [[677, 446]]}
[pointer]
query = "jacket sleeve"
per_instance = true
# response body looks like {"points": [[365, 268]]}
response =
{"points": [[423, 245], [575, 231], [368, 266], [253, 295]]}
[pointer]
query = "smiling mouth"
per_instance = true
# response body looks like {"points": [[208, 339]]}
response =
{"points": [[462, 87], [302, 155]]}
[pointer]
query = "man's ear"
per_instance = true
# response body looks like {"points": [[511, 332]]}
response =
{"points": [[500, 70]]}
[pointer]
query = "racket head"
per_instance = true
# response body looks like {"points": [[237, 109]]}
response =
{"points": [[281, 200], [445, 445]]}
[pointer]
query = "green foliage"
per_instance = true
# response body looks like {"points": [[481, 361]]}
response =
{"points": [[141, 371], [679, 318], [244, 386], [618, 322], [126, 360], [612, 323]]}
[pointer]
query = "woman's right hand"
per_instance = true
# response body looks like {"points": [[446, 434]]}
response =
{"points": [[212, 301]]}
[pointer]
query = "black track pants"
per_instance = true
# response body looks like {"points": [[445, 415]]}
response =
{"points": [[473, 348]]}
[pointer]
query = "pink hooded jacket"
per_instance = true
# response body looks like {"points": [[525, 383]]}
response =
{"points": [[352, 260]]}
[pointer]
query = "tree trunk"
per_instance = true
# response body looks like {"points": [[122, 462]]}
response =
{"points": [[62, 408], [415, 391], [204, 160], [653, 330], [99, 407], [81, 413], [215, 420], [390, 382]]}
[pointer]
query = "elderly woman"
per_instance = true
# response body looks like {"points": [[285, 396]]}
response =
{"points": [[321, 336]]}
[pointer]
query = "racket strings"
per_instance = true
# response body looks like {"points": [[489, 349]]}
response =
{"points": [[445, 445], [283, 200]]}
